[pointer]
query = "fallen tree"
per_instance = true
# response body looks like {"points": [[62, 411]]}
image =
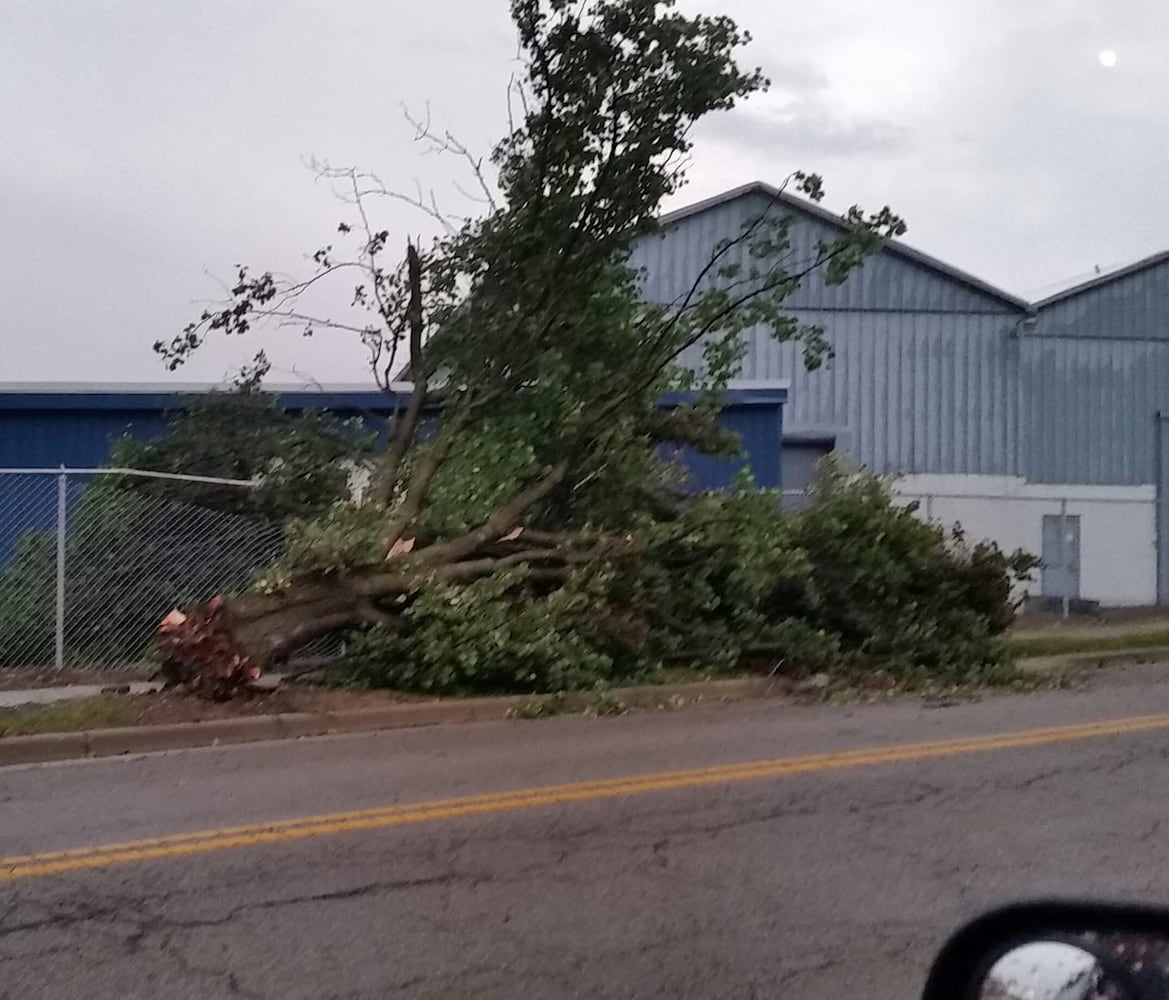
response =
{"points": [[525, 332]]}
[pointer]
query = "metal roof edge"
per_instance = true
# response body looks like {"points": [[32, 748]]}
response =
{"points": [[738, 392], [66, 397], [1104, 279], [180, 388], [821, 214]]}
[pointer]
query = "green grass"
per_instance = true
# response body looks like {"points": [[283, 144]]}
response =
{"points": [[100, 712], [1059, 645]]}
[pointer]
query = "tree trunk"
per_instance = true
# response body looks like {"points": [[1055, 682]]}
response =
{"points": [[219, 648], [222, 647]]}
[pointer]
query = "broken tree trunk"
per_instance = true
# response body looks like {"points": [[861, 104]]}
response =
{"points": [[220, 648]]}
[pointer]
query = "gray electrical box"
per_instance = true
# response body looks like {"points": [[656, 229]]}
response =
{"points": [[1061, 556]]}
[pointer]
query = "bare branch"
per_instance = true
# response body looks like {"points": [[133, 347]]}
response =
{"points": [[292, 317], [539, 565], [295, 289], [447, 143], [364, 184]]}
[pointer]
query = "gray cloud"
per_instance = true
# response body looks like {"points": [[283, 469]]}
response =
{"points": [[792, 77], [798, 114], [149, 145], [810, 127]]}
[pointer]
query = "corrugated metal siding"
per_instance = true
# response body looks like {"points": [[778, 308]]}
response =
{"points": [[1095, 373], [925, 376], [38, 438], [673, 259], [920, 392], [933, 375], [1091, 406], [76, 438], [1134, 307]]}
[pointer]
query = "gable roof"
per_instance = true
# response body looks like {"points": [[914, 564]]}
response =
{"points": [[820, 214], [1104, 279]]}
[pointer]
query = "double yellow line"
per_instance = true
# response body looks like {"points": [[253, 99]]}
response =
{"points": [[304, 828]]}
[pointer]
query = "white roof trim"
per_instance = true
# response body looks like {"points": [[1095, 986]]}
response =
{"points": [[738, 384]]}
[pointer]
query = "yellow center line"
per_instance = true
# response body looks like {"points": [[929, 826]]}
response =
{"points": [[406, 814]]}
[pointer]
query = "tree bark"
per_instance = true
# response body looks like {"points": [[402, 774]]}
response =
{"points": [[386, 477], [219, 648]]}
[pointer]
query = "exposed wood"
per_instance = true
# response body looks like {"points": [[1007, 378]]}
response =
{"points": [[496, 526], [386, 477], [422, 476]]}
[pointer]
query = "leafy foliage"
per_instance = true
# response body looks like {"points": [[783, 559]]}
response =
{"points": [[911, 597], [300, 460], [524, 324], [27, 601], [528, 535], [482, 638], [855, 582]]}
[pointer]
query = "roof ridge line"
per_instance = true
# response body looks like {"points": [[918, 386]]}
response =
{"points": [[1099, 280], [919, 257]]}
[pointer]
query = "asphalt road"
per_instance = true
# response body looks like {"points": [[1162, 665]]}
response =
{"points": [[832, 869]]}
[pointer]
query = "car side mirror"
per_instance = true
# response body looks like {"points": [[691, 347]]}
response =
{"points": [[1056, 951]]}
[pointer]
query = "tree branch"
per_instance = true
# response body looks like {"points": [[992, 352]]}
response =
{"points": [[449, 144], [387, 475], [423, 475], [502, 521]]}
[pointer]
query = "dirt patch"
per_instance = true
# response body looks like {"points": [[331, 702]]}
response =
{"points": [[28, 678]]}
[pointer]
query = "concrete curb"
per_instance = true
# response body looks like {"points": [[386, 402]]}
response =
{"points": [[221, 732]]}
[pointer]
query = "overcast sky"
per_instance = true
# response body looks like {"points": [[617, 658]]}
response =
{"points": [[146, 147]]}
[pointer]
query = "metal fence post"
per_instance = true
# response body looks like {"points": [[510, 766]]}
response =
{"points": [[62, 515], [1066, 548], [929, 508]]}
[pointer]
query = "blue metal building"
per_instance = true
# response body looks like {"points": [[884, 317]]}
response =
{"points": [[1034, 424], [918, 344], [47, 427]]}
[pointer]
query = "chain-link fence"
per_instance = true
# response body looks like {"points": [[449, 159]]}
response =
{"points": [[88, 565]]}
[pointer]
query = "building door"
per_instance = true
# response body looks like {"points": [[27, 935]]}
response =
{"points": [[800, 461], [1061, 556]]}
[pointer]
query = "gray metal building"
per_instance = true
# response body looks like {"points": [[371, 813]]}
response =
{"points": [[1036, 424]]}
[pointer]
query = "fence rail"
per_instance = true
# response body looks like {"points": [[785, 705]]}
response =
{"points": [[90, 561]]}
